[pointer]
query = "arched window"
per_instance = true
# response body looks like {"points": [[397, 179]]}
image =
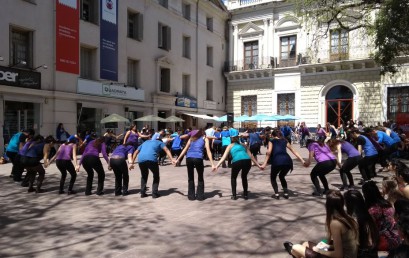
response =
{"points": [[339, 105]]}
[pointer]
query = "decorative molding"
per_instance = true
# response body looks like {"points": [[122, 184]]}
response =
{"points": [[251, 29]]}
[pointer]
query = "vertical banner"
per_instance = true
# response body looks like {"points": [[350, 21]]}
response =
{"points": [[67, 36], [109, 40]]}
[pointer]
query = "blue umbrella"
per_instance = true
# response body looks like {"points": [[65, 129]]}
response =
{"points": [[241, 118], [222, 119], [288, 117]]}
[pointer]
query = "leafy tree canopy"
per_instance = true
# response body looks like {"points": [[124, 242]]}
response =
{"points": [[384, 20]]}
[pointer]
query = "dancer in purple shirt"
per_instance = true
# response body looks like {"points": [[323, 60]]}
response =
{"points": [[90, 160], [63, 157], [117, 162], [326, 162]]}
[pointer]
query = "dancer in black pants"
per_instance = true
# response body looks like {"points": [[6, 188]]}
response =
{"points": [[353, 160], [281, 162], [194, 159], [117, 162], [37, 150], [241, 161], [148, 160], [326, 162], [90, 160], [63, 157]]}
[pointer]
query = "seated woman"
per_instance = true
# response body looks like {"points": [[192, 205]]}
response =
{"points": [[342, 232], [402, 176], [382, 212], [390, 190], [368, 232]]}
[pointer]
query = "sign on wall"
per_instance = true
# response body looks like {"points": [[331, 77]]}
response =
{"points": [[20, 78], [109, 40], [111, 91], [67, 36], [186, 102]]}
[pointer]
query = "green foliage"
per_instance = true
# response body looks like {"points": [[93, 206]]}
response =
{"points": [[384, 20]]}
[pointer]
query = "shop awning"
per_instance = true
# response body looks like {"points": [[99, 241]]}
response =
{"points": [[205, 117]]}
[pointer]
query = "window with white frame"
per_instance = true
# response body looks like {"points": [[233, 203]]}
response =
{"points": [[249, 105], [209, 90], [186, 46], [164, 36], [186, 85], [286, 104], [135, 25], [164, 79], [133, 73], [87, 56], [251, 55], [21, 48], [288, 51], [339, 48], [186, 10], [209, 56], [89, 11]]}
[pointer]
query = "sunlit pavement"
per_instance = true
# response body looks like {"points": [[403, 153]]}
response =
{"points": [[53, 225]]}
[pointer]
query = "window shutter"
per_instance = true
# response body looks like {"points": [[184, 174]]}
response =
{"points": [[140, 27], [168, 35], [160, 40]]}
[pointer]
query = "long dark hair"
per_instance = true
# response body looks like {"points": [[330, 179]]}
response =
{"points": [[98, 142], [373, 196], [355, 204], [335, 211], [333, 143]]}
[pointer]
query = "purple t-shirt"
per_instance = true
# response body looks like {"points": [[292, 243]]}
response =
{"points": [[123, 151], [349, 149], [90, 150], [65, 152], [321, 153]]}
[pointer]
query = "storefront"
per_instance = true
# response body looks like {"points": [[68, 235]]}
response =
{"points": [[19, 110]]}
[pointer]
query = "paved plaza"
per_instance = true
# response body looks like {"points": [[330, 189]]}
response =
{"points": [[52, 225]]}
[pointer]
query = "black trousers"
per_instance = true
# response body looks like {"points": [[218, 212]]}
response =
{"points": [[319, 171], [18, 168], [345, 171], [386, 153], [145, 167], [367, 167], [224, 147], [176, 153], [217, 150], [32, 173], [281, 171], [121, 172], [254, 149], [191, 164], [91, 163], [64, 166], [244, 166]]}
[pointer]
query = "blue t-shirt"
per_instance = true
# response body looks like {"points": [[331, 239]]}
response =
{"points": [[286, 130], [384, 138], [14, 143], [254, 138], [239, 152], [279, 156], [218, 135], [225, 137], [149, 150], [177, 143], [196, 149]]}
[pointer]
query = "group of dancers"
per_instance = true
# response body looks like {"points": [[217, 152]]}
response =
{"points": [[363, 149]]}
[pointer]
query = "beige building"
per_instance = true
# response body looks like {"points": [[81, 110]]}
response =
{"points": [[278, 65], [171, 56]]}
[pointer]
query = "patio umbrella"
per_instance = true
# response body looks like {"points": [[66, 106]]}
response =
{"points": [[174, 119], [260, 117], [222, 119], [288, 117], [150, 118], [114, 118], [242, 118]]}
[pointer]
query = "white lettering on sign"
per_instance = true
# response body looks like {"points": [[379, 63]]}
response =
{"points": [[8, 76]]}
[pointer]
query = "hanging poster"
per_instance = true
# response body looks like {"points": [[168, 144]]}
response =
{"points": [[109, 40]]}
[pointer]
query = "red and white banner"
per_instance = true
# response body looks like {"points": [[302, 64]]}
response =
{"points": [[67, 36]]}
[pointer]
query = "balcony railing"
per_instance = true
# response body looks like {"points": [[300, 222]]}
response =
{"points": [[233, 4], [263, 63]]}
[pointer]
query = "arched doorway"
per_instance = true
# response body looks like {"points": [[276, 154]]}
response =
{"points": [[339, 105]]}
